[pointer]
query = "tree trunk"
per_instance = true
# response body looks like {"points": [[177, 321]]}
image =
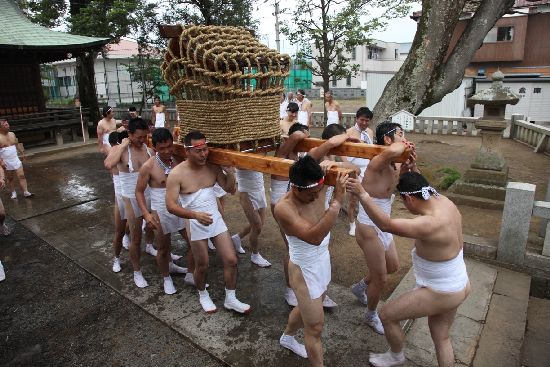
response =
{"points": [[326, 82], [426, 77], [85, 77]]}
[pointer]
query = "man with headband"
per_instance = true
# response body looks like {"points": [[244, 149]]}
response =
{"points": [[290, 118], [104, 127], [306, 225], [191, 183], [381, 177], [128, 157], [441, 280], [153, 175], [304, 114]]}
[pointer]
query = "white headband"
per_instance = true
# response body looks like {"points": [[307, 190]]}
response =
{"points": [[426, 190]]}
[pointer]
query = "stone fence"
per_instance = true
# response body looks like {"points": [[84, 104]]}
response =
{"points": [[536, 136], [519, 207]]}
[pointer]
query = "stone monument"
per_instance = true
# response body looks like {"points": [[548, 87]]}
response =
{"points": [[484, 183]]}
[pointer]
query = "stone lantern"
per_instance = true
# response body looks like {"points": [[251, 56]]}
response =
{"points": [[488, 173]]}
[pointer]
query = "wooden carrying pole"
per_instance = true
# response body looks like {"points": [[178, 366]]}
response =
{"points": [[259, 163]]}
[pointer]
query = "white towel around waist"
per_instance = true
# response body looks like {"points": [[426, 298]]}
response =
{"points": [[442, 276], [250, 181], [158, 199], [303, 253], [128, 182]]}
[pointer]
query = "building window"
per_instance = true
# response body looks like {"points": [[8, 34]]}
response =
{"points": [[372, 53], [537, 90], [348, 81], [334, 81], [522, 90], [65, 81], [353, 54], [500, 34]]}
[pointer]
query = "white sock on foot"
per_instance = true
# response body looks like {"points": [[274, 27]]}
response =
{"points": [[258, 260], [126, 241], [387, 359], [174, 257], [140, 280], [237, 243], [290, 297], [116, 264], [150, 249], [232, 303], [373, 320], [207, 305], [14, 195], [174, 269], [352, 229], [189, 279], [359, 290], [169, 285], [289, 342]]}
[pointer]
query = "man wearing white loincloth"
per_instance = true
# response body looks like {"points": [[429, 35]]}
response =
{"points": [[9, 148], [190, 194], [250, 185], [290, 118], [305, 108], [152, 176], [381, 177], [441, 280], [307, 228], [128, 157], [158, 114], [334, 111], [104, 127], [121, 238], [364, 134]]}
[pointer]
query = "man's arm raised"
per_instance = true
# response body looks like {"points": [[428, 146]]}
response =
{"points": [[419, 227], [382, 160], [227, 180], [318, 153], [314, 234], [290, 143]]}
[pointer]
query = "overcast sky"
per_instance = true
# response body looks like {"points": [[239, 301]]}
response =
{"points": [[398, 30]]}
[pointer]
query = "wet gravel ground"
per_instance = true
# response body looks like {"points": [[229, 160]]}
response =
{"points": [[53, 313]]}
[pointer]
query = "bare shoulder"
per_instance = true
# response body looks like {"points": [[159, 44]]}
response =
{"points": [[283, 209]]}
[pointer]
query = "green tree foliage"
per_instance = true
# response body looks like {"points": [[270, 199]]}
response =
{"points": [[326, 31], [47, 13], [212, 12]]}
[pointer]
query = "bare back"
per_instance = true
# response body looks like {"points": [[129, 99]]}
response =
{"points": [[442, 239]]}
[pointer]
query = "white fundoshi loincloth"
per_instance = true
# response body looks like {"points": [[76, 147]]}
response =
{"points": [[362, 217], [278, 190], [252, 183], [219, 191], [160, 119], [441, 276], [332, 117], [118, 197], [203, 200], [170, 223], [10, 158], [314, 262]]}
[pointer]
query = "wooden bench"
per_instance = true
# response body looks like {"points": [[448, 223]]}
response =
{"points": [[47, 127]]}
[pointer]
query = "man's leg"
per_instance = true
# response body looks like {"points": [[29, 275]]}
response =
{"points": [[10, 177], [22, 181], [226, 250], [310, 311], [375, 257], [439, 329], [189, 278], [135, 242], [200, 254], [120, 226], [256, 220], [4, 230], [290, 297], [163, 257], [413, 305], [353, 201]]}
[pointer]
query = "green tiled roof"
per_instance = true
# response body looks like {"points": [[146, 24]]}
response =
{"points": [[18, 32]]}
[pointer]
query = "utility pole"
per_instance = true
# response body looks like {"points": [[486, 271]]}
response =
{"points": [[277, 40]]}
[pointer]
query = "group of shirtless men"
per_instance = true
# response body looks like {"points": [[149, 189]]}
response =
{"points": [[172, 196]]}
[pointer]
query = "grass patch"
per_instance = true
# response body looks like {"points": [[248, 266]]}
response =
{"points": [[448, 177]]}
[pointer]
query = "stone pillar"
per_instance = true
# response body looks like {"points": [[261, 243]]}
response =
{"points": [[544, 223], [516, 217]]}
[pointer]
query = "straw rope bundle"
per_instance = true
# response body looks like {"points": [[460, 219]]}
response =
{"points": [[226, 83]]}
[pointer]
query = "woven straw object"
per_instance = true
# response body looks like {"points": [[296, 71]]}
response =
{"points": [[226, 83]]}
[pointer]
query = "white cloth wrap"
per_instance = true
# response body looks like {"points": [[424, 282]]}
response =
{"points": [[278, 190], [314, 261], [332, 117], [303, 117], [441, 276], [203, 200], [170, 223], [328, 196], [282, 109], [219, 191], [118, 197], [9, 155], [160, 119], [362, 217], [252, 183], [106, 138], [128, 183]]}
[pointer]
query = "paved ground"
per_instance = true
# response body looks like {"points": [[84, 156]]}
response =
{"points": [[72, 212]]}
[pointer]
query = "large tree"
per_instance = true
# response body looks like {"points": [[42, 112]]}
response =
{"points": [[432, 70], [327, 32]]}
